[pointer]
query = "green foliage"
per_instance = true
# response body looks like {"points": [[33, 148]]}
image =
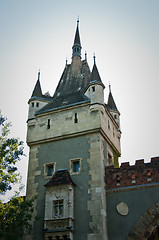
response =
{"points": [[15, 214], [14, 218], [11, 149]]}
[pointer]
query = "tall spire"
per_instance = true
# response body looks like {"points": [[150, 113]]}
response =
{"points": [[76, 49]]}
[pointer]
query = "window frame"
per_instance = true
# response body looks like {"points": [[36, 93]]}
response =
{"points": [[46, 166], [71, 163], [59, 203]]}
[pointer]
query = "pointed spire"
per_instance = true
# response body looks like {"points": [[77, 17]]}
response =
{"points": [[95, 74], [77, 43], [37, 90], [111, 103]]}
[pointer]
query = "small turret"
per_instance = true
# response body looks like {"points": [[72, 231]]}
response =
{"points": [[113, 108], [95, 88], [37, 100]]}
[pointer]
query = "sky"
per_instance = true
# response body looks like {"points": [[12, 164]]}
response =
{"points": [[123, 34]]}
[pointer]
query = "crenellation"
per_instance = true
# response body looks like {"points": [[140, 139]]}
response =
{"points": [[131, 175]]}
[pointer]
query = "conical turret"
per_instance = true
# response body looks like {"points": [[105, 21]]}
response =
{"points": [[37, 100], [95, 88], [37, 92], [112, 107]]}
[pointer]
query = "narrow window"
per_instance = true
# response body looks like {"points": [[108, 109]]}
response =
{"points": [[118, 180], [48, 124], [58, 208], [37, 104], [76, 119], [108, 124], [133, 177], [93, 88], [32, 104], [75, 166], [149, 175], [50, 170], [113, 132]]}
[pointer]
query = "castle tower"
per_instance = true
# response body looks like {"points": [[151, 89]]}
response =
{"points": [[71, 138]]}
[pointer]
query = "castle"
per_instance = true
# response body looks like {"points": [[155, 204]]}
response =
{"points": [[74, 141]]}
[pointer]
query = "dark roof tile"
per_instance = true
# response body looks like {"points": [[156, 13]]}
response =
{"points": [[60, 177]]}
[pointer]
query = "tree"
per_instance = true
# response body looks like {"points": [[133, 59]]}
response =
{"points": [[11, 149], [16, 213], [14, 218]]}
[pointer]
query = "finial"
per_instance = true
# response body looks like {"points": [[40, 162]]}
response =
{"points": [[94, 58], [109, 87], [78, 21], [85, 55], [39, 75]]}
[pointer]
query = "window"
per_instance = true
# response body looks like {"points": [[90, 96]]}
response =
{"points": [[48, 124], [75, 119], [58, 208], [93, 88], [118, 179], [49, 169], [75, 166], [108, 124], [37, 104], [32, 104]]}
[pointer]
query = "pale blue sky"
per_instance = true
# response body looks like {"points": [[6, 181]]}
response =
{"points": [[124, 35]]}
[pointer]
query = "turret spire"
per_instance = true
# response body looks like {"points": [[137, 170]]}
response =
{"points": [[95, 74], [111, 103], [77, 44], [37, 90]]}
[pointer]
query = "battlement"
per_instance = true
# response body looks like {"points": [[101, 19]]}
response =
{"points": [[132, 175]]}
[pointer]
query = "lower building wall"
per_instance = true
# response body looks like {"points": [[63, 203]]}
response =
{"points": [[60, 152], [121, 218]]}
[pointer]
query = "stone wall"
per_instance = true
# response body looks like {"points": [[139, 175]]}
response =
{"points": [[132, 194]]}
